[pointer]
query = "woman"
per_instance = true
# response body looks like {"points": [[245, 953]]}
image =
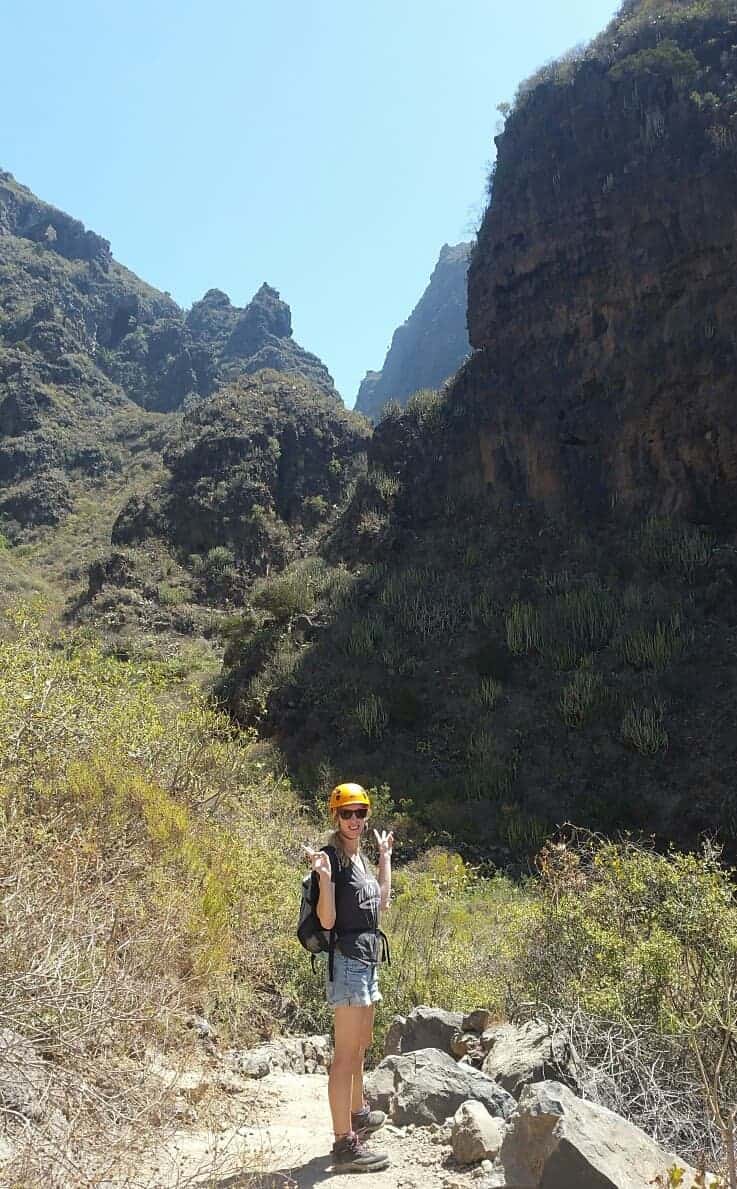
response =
{"points": [[349, 904]]}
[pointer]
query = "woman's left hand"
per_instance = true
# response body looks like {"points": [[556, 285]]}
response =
{"points": [[385, 842]]}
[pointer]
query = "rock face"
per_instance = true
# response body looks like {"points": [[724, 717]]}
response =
{"points": [[84, 344], [593, 422], [431, 345], [556, 1141], [601, 303]]}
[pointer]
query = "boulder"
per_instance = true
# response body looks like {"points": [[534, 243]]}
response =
{"points": [[23, 1080], [290, 1054], [477, 1021], [476, 1134], [520, 1054], [558, 1141], [423, 1028], [427, 1085]]}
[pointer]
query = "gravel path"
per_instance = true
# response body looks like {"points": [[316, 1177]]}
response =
{"points": [[278, 1136]]}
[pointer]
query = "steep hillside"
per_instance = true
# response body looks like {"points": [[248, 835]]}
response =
{"points": [[88, 351], [265, 455], [430, 345], [542, 619]]}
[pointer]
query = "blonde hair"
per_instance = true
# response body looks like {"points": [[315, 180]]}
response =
{"points": [[335, 839]]}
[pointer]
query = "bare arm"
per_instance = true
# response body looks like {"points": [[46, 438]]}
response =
{"points": [[385, 842], [326, 901], [320, 863]]}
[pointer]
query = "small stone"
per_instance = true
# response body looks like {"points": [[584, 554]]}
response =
{"points": [[229, 1082], [476, 1134]]}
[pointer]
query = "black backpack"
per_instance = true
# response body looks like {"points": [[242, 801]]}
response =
{"points": [[310, 932]]}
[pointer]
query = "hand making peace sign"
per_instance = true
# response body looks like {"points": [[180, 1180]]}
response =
{"points": [[385, 842], [319, 860]]}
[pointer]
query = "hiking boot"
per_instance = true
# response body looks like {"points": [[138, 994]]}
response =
{"points": [[350, 1155], [365, 1121]]}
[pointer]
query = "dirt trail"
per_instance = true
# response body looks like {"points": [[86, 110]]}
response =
{"points": [[279, 1137]]}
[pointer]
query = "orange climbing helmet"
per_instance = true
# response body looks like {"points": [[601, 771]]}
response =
{"points": [[348, 794]]}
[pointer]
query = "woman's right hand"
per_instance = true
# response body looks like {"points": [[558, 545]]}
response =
{"points": [[319, 861]]}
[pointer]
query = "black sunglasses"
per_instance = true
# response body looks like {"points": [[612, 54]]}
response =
{"points": [[346, 814]]}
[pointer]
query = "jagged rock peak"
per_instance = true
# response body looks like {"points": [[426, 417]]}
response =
{"points": [[25, 216], [431, 345]]}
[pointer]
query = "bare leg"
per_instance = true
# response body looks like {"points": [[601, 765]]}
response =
{"points": [[367, 1031], [347, 1066]]}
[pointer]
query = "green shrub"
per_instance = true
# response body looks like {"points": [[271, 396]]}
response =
{"points": [[489, 692], [644, 649], [455, 939], [491, 772], [580, 698], [170, 596], [385, 485], [642, 728], [524, 628], [372, 716], [218, 559], [314, 510], [665, 60], [295, 591], [364, 637], [672, 548], [616, 920], [424, 407], [581, 620]]}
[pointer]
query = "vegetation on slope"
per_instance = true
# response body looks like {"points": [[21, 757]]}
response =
{"points": [[500, 670], [675, 41], [149, 860]]}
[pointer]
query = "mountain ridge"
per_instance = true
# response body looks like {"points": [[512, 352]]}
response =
{"points": [[430, 345]]}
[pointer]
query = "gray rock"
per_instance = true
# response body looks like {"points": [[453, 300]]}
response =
{"points": [[23, 1079], [393, 1038], [291, 1054], [428, 1085], [467, 1046], [423, 1028], [476, 1134], [520, 1055], [477, 1021], [558, 1141]]}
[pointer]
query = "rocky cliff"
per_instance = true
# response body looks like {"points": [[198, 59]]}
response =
{"points": [[431, 345], [85, 345], [543, 629], [601, 302]]}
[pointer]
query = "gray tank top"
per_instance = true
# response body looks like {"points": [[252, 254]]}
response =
{"points": [[357, 907]]}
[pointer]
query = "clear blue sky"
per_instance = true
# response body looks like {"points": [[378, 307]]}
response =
{"points": [[327, 146]]}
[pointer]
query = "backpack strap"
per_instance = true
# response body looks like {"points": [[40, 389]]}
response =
{"points": [[330, 852], [386, 955]]}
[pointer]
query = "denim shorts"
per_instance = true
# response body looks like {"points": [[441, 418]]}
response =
{"points": [[356, 984]]}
